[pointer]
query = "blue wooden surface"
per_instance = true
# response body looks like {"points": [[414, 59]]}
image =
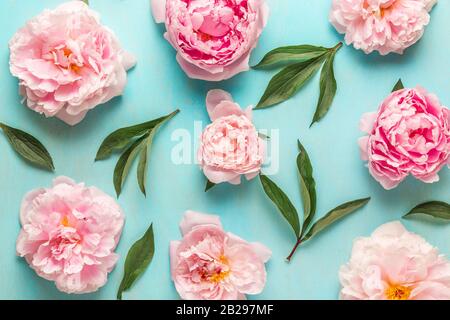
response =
{"points": [[157, 86]]}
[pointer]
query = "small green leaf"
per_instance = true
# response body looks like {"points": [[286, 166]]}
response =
{"points": [[209, 185], [28, 147], [86, 1], [126, 159], [263, 136], [436, 209], [288, 82], [138, 259], [334, 215], [142, 169], [307, 186], [398, 86], [121, 138], [328, 88], [282, 202], [289, 54]]}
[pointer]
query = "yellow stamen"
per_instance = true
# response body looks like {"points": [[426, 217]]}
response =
{"points": [[220, 276], [67, 52], [75, 68], [398, 292], [65, 222]]}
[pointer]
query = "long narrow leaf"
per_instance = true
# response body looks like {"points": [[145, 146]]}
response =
{"points": [[335, 215], [138, 259], [121, 138], [328, 88], [436, 209], [290, 54], [282, 202], [288, 82], [307, 186], [28, 147], [126, 159]]}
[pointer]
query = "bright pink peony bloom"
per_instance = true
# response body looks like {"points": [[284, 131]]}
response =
{"points": [[410, 134], [210, 264], [230, 145], [67, 62], [394, 264], [69, 233], [213, 38], [381, 25]]}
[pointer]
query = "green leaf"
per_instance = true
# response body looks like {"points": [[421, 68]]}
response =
{"points": [[282, 202], [86, 1], [398, 86], [289, 54], [328, 88], [138, 259], [307, 186], [121, 138], [126, 159], [436, 209], [288, 82], [334, 215], [209, 185], [142, 169], [28, 147]]}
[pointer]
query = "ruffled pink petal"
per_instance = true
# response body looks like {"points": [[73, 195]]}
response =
{"points": [[214, 98], [225, 108], [363, 143], [216, 176], [71, 120], [128, 60], [192, 219], [158, 10], [367, 122], [262, 251]]}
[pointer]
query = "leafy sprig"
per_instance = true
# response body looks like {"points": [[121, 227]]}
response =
{"points": [[135, 140], [305, 231], [303, 62]]}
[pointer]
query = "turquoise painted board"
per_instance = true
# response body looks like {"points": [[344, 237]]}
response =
{"points": [[157, 86]]}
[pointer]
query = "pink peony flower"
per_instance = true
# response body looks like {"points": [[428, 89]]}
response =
{"points": [[213, 38], [381, 25], [394, 264], [230, 145], [410, 134], [210, 264], [67, 62], [69, 233]]}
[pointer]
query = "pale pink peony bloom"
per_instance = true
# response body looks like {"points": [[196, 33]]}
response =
{"points": [[67, 62], [230, 145], [410, 134], [394, 264], [211, 264], [381, 25], [69, 234], [213, 38]]}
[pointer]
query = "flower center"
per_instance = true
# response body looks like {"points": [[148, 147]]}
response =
{"points": [[65, 221], [220, 272], [397, 292], [380, 11], [64, 57]]}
